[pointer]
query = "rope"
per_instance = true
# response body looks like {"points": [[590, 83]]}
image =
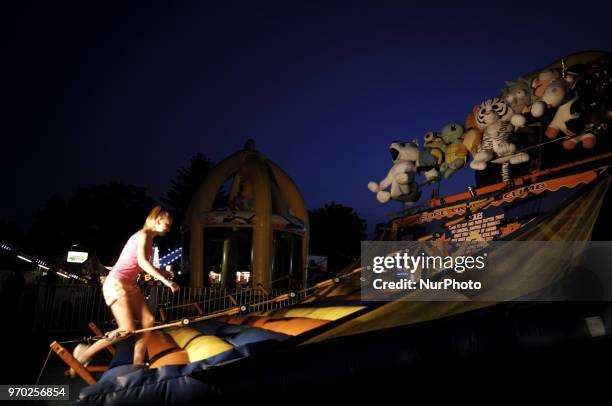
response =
{"points": [[182, 322], [44, 366], [540, 144], [228, 312], [85, 339]]}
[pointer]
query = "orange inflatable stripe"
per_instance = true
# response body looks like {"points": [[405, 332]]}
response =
{"points": [[159, 342], [174, 358], [294, 327], [252, 321]]}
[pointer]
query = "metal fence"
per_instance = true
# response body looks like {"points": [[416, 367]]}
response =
{"points": [[70, 308], [191, 302]]}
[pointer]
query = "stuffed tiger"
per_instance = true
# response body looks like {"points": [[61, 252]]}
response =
{"points": [[492, 118]]}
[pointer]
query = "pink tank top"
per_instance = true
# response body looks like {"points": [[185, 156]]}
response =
{"points": [[126, 268]]}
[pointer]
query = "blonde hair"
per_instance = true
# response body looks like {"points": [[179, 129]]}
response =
{"points": [[157, 213]]}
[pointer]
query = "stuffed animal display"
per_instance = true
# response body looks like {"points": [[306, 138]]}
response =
{"points": [[518, 96], [401, 176], [589, 112], [554, 96], [455, 152], [566, 115], [473, 136], [431, 157], [542, 80], [493, 120], [594, 85], [570, 104]]}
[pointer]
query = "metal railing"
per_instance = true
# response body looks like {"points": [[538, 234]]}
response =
{"points": [[70, 308], [191, 302]]}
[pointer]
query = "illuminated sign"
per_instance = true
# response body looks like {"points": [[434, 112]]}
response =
{"points": [[77, 257]]}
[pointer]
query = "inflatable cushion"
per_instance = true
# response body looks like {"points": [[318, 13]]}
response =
{"points": [[160, 343], [203, 347], [325, 313], [289, 326], [183, 335], [173, 358]]}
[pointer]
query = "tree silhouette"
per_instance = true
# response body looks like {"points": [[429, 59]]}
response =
{"points": [[336, 231], [103, 217], [184, 186], [100, 218], [10, 233], [49, 235]]}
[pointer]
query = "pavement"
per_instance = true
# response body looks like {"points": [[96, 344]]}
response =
{"points": [[24, 357]]}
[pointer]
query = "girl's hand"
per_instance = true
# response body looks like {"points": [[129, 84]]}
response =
{"points": [[174, 287]]}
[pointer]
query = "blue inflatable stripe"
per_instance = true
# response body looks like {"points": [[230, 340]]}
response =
{"points": [[124, 353], [238, 335], [208, 327]]}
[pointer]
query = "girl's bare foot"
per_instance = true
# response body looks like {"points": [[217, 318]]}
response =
{"points": [[77, 353]]}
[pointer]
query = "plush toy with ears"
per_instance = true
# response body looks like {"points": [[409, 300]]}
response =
{"points": [[555, 94], [519, 97], [542, 81], [401, 176], [493, 120], [566, 116]]}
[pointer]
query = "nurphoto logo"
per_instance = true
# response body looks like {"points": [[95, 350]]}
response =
{"points": [[443, 270]]}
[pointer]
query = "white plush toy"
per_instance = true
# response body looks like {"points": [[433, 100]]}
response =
{"points": [[401, 176], [553, 97], [492, 119], [563, 116]]}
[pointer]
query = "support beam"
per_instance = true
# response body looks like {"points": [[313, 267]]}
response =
{"points": [[72, 362]]}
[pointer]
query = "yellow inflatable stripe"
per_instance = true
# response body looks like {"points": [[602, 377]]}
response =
{"points": [[321, 313], [203, 347], [183, 335]]}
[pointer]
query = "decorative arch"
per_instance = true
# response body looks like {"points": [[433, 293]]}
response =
{"points": [[262, 196]]}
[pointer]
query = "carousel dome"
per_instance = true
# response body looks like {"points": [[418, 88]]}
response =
{"points": [[248, 219]]}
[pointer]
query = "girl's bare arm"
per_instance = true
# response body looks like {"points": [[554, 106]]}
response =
{"points": [[145, 264]]}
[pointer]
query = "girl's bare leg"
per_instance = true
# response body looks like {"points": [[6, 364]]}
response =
{"points": [[125, 321], [141, 310]]}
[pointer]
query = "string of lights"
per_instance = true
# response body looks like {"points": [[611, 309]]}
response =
{"points": [[171, 257], [25, 257]]}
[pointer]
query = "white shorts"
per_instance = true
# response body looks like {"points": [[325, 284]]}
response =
{"points": [[114, 289]]}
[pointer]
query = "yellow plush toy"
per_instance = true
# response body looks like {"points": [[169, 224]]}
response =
{"points": [[455, 153]]}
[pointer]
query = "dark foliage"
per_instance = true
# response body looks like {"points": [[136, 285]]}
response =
{"points": [[336, 231]]}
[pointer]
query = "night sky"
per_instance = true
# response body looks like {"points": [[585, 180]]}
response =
{"points": [[130, 92]]}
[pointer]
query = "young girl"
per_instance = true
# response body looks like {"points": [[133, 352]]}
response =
{"points": [[123, 296]]}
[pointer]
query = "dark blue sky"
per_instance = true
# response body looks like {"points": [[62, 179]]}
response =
{"points": [[131, 92]]}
